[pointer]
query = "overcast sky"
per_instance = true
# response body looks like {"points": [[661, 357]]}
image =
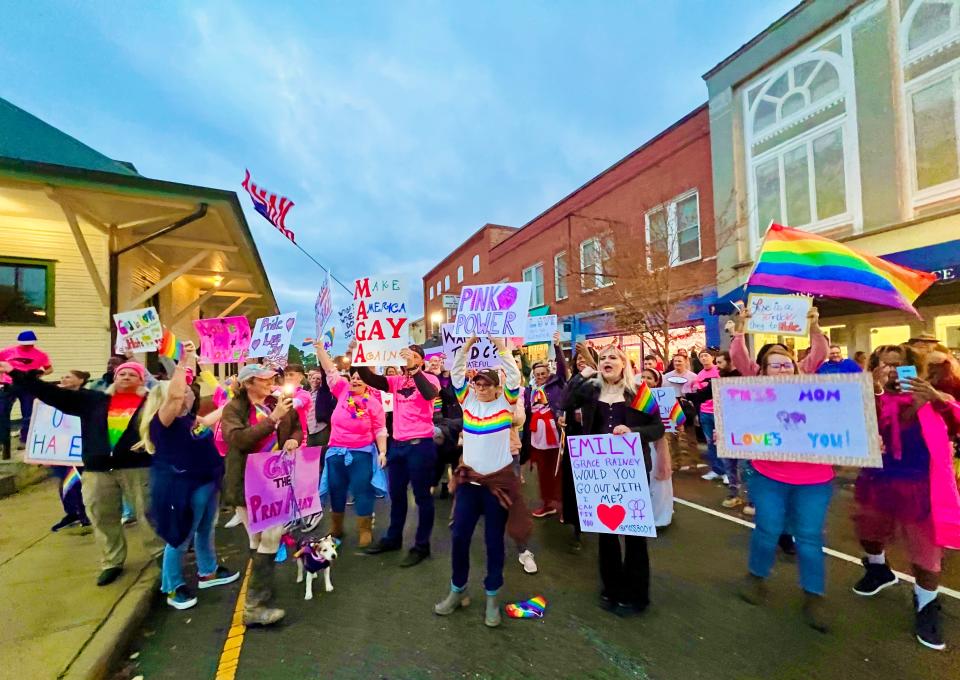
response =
{"points": [[397, 128]]}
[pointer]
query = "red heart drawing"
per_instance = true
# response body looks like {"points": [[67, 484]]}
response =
{"points": [[611, 515]]}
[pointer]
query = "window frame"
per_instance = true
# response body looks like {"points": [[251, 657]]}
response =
{"points": [[475, 264], [557, 282], [460, 273], [600, 279], [533, 289], [446, 283], [670, 210], [431, 293], [49, 319]]}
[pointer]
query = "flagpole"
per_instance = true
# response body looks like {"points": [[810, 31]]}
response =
{"points": [[314, 260]]}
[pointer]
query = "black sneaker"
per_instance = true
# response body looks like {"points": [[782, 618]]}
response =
{"points": [[181, 598], [787, 544], [220, 577], [66, 521], [381, 546], [928, 628], [109, 575], [414, 557], [878, 577]]}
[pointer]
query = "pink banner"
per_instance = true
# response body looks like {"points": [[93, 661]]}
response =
{"points": [[274, 478], [223, 340]]}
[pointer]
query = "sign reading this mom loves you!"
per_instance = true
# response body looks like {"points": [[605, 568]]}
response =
{"points": [[610, 478], [138, 331], [829, 419], [498, 310], [381, 322], [271, 338]]}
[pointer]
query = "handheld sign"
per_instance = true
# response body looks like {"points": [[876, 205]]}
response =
{"points": [[778, 314], [53, 437], [346, 321], [281, 487], [829, 419], [610, 478], [483, 354], [323, 308], [271, 338], [540, 329], [381, 321], [138, 331], [498, 310], [223, 340], [666, 399]]}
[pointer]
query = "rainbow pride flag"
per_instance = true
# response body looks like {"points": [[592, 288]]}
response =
{"points": [[72, 478], [801, 262], [170, 347], [677, 417], [644, 400]]}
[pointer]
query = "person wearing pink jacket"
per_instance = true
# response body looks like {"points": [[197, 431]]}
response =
{"points": [[743, 362]]}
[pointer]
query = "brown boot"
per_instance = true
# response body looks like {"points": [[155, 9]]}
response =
{"points": [[256, 609], [336, 524], [364, 531]]}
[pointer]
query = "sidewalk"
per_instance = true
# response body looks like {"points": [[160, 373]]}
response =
{"points": [[57, 622]]}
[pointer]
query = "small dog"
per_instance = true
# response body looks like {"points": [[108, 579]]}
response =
{"points": [[315, 556]]}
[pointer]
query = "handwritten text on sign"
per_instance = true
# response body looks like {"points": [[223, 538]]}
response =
{"points": [[223, 340], [483, 354], [138, 331], [666, 397], [271, 337], [280, 487], [323, 308], [499, 310], [778, 314], [610, 478], [53, 438], [828, 419], [381, 321], [540, 329]]}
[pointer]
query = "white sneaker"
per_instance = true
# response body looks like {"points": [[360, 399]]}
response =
{"points": [[710, 476], [310, 523], [726, 480], [529, 564], [233, 521]]}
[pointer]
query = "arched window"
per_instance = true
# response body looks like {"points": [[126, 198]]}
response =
{"points": [[476, 264], [930, 54], [460, 274], [446, 282], [800, 138]]}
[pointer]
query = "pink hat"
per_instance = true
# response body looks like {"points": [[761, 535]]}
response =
{"points": [[138, 368]]}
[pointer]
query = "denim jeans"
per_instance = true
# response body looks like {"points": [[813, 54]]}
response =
{"points": [[802, 508], [356, 478], [204, 504], [411, 465], [8, 395], [708, 427], [72, 501], [473, 502]]}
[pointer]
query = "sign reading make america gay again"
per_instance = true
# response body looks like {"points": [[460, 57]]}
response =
{"points": [[498, 310], [381, 321]]}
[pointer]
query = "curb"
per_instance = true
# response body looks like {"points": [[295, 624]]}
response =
{"points": [[110, 641]]}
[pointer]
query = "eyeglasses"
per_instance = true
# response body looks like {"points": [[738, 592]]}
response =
{"points": [[481, 383], [777, 365]]}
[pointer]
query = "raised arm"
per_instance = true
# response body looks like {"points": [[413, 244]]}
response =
{"points": [[458, 372], [511, 374], [819, 345], [71, 402], [561, 360], [427, 389], [176, 392]]}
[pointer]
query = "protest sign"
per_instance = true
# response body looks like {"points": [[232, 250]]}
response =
{"points": [[666, 397], [346, 321], [323, 309], [483, 354], [53, 437], [778, 314], [381, 322], [610, 479], [499, 310], [540, 329], [138, 331], [223, 340], [829, 419], [271, 338], [280, 487]]}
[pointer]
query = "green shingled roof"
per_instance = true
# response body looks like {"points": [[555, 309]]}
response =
{"points": [[25, 137]]}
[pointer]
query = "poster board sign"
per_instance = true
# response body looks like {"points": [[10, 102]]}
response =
{"points": [[540, 329], [381, 322], [666, 397], [610, 478], [280, 487], [778, 314], [346, 321], [223, 340], [323, 308], [830, 419], [450, 301], [483, 354], [387, 398], [271, 338], [499, 310], [138, 331], [53, 437]]}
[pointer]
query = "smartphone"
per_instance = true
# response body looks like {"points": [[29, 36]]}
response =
{"points": [[904, 373]]}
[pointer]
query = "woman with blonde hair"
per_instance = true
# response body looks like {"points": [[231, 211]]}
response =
{"points": [[185, 482], [604, 399]]}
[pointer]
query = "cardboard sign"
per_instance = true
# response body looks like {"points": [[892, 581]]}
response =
{"points": [[540, 329], [223, 340], [138, 331], [271, 338], [666, 397], [323, 308], [829, 419], [483, 354], [346, 321], [387, 398], [610, 478], [53, 437], [280, 487], [381, 322], [499, 310], [778, 314]]}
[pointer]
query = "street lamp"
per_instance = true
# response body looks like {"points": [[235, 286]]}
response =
{"points": [[435, 320]]}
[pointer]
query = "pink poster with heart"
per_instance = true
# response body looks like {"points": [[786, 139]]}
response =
{"points": [[610, 478], [271, 338], [223, 340], [281, 487]]}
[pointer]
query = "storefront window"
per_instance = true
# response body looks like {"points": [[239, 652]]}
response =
{"points": [[948, 330], [888, 335], [26, 291]]}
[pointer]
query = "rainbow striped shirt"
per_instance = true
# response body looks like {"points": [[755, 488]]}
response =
{"points": [[486, 433], [121, 409]]}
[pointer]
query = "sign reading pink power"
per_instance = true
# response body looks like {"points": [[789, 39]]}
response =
{"points": [[498, 310], [281, 487]]}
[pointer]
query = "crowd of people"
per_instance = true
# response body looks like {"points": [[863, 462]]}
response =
{"points": [[175, 460]]}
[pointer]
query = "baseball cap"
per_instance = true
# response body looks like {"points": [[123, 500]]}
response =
{"points": [[491, 376], [251, 371], [418, 349]]}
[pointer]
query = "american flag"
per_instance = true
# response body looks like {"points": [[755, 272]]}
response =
{"points": [[272, 206]]}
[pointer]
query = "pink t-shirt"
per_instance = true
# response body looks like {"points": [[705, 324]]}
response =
{"points": [[701, 382], [412, 414], [794, 473], [23, 358], [346, 428]]}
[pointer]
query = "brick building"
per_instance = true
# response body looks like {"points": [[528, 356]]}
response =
{"points": [[670, 173]]}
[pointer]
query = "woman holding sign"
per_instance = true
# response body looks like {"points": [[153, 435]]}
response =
{"points": [[740, 355], [794, 494], [605, 399]]}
